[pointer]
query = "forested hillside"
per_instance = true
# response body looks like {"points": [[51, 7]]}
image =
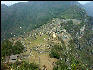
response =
{"points": [[23, 17]]}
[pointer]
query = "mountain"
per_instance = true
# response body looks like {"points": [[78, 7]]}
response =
{"points": [[89, 8], [61, 44], [57, 36], [23, 17]]}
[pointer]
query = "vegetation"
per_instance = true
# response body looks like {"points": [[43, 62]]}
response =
{"points": [[67, 60], [77, 55], [24, 65], [20, 66], [29, 16], [74, 12], [7, 48], [17, 48], [55, 51]]}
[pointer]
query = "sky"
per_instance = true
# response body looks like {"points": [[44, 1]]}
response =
{"points": [[8, 3]]}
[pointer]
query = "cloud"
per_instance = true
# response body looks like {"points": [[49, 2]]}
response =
{"points": [[83, 2], [8, 3]]}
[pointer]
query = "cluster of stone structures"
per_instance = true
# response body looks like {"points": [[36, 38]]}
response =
{"points": [[53, 29]]}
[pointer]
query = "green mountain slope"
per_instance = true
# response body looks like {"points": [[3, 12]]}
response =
{"points": [[71, 48], [63, 42], [23, 17]]}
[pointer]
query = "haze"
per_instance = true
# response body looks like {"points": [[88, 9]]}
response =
{"points": [[9, 3]]}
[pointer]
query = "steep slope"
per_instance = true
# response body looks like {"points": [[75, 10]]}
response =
{"points": [[89, 8], [63, 43], [66, 43], [23, 17]]}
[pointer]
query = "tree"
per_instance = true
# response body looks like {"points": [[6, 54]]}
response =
{"points": [[18, 48], [6, 48], [24, 66]]}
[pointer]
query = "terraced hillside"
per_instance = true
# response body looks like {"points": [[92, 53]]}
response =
{"points": [[39, 42], [63, 42]]}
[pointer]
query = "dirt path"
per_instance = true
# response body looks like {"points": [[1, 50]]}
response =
{"points": [[43, 60]]}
